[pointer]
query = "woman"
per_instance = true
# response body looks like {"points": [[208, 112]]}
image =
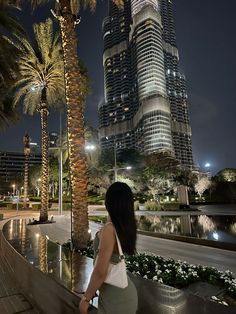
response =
{"points": [[113, 300]]}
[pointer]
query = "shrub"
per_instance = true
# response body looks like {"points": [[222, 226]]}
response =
{"points": [[3, 204], [171, 206], [152, 205], [99, 219], [35, 199], [14, 206], [66, 206], [38, 206], [96, 200], [136, 205]]}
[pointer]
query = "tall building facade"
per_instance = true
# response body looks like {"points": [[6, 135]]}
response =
{"points": [[145, 104], [12, 168]]}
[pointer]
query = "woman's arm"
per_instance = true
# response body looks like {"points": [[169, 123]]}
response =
{"points": [[107, 242]]}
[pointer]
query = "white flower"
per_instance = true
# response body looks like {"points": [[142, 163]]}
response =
{"points": [[225, 303]]}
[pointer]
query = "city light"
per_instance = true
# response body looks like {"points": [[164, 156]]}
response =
{"points": [[90, 147], [215, 235]]}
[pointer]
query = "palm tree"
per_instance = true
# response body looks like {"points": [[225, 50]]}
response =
{"points": [[40, 86], [66, 11], [10, 30]]}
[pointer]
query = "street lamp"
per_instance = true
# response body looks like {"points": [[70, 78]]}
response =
{"points": [[60, 148], [90, 147], [115, 169], [115, 160]]}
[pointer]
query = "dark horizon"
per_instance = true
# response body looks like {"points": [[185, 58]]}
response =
{"points": [[205, 41]]}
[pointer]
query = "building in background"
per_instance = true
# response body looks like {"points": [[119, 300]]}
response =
{"points": [[12, 168], [145, 104], [53, 138]]}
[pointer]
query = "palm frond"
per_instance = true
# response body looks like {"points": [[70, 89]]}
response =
{"points": [[36, 3], [91, 4], [10, 30], [7, 112], [41, 65]]}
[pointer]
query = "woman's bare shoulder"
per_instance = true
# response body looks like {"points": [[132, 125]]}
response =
{"points": [[108, 228]]}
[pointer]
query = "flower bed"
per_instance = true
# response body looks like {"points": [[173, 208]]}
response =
{"points": [[177, 273], [174, 273]]}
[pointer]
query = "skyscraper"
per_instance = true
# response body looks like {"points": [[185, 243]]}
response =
{"points": [[145, 103]]}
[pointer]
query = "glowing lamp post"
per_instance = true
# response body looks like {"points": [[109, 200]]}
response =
{"points": [[13, 189]]}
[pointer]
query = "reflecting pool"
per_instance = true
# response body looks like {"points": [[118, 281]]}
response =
{"points": [[217, 228], [68, 268]]}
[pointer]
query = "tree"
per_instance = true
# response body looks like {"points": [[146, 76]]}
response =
{"points": [[227, 174], [202, 185], [53, 176], [159, 172], [162, 163], [40, 86], [185, 177], [158, 185], [34, 178], [66, 11]]}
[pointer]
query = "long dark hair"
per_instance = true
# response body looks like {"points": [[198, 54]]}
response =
{"points": [[120, 206]]}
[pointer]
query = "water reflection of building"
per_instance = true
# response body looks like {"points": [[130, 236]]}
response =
{"points": [[43, 254], [162, 224], [185, 223]]}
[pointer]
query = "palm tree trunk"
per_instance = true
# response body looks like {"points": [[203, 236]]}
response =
{"points": [[45, 162], [75, 120], [26, 141], [26, 179]]}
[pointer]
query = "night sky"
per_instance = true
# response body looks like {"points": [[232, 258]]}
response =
{"points": [[207, 43]]}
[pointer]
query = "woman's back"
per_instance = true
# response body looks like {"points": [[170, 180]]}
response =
{"points": [[113, 299]]}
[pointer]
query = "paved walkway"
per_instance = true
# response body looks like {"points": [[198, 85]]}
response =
{"points": [[12, 300]]}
